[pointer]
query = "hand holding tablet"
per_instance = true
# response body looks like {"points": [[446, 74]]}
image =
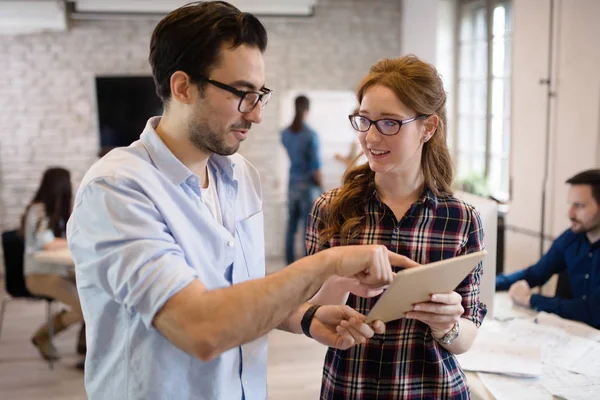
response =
{"points": [[416, 285]]}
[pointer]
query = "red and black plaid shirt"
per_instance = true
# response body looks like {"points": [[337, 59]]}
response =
{"points": [[405, 362]]}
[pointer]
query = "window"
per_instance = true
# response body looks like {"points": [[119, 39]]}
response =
{"points": [[482, 141]]}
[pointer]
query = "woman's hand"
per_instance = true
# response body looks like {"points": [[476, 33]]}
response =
{"points": [[441, 313]]}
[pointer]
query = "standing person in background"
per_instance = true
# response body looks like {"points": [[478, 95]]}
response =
{"points": [[305, 180], [43, 227], [402, 199]]}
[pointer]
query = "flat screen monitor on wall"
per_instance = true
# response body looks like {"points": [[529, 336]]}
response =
{"points": [[124, 105]]}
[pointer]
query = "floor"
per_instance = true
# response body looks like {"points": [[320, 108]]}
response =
{"points": [[294, 369]]}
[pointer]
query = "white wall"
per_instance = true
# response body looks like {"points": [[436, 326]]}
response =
{"points": [[419, 28], [575, 116], [47, 97]]}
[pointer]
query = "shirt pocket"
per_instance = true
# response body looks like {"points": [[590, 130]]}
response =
{"points": [[251, 235]]}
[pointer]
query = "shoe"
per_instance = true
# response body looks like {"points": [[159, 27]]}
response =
{"points": [[45, 347], [41, 338]]}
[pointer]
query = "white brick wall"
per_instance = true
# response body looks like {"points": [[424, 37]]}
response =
{"points": [[47, 96]]}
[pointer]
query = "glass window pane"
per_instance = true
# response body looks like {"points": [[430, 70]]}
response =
{"points": [[480, 60], [506, 85], [464, 165], [466, 61], [478, 134], [465, 97], [465, 129], [480, 28], [478, 164], [499, 23], [505, 179], [497, 136], [495, 174], [479, 100], [498, 57], [507, 55], [498, 103], [466, 25], [506, 138]]}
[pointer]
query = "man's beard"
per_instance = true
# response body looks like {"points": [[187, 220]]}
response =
{"points": [[205, 137], [581, 228]]}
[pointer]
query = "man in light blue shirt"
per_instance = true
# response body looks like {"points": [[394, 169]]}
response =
{"points": [[167, 234]]}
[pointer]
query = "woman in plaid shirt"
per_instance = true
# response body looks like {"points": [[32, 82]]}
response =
{"points": [[401, 198]]}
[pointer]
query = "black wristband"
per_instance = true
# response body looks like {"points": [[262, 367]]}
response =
{"points": [[307, 319]]}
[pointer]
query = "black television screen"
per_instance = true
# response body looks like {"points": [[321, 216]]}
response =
{"points": [[124, 105]]}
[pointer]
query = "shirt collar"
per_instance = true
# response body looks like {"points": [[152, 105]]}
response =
{"points": [[168, 164], [428, 198]]}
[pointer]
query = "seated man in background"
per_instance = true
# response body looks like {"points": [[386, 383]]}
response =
{"points": [[577, 251]]}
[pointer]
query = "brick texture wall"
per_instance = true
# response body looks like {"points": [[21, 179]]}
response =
{"points": [[47, 91]]}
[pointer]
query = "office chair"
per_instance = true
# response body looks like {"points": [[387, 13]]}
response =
{"points": [[13, 248]]}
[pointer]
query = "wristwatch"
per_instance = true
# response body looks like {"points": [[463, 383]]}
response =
{"points": [[448, 337]]}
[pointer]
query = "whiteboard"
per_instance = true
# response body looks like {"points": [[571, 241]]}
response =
{"points": [[328, 116]]}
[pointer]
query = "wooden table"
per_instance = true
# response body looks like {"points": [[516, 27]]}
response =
{"points": [[61, 257]]}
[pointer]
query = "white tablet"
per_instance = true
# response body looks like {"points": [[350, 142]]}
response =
{"points": [[416, 285]]}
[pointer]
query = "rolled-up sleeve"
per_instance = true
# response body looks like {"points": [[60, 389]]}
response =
{"points": [[469, 289], [121, 244]]}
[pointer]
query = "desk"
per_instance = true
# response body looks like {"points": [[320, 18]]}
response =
{"points": [[503, 309], [570, 351], [62, 257]]}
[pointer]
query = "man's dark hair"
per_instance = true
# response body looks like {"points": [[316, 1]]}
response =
{"points": [[189, 39], [590, 177]]}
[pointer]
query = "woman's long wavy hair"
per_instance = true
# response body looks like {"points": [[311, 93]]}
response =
{"points": [[55, 193], [419, 86]]}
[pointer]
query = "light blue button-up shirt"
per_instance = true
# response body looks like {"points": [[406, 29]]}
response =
{"points": [[139, 233]]}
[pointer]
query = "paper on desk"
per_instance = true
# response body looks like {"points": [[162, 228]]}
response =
{"points": [[559, 348], [506, 310], [569, 385], [510, 388], [573, 328], [495, 352]]}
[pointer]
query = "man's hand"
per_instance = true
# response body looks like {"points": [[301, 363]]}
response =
{"points": [[342, 327], [520, 292], [441, 313], [355, 287], [370, 264]]}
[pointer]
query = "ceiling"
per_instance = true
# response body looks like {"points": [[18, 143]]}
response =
{"points": [[28, 16]]}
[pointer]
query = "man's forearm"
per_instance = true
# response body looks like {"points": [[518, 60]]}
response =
{"points": [[229, 317], [292, 323]]}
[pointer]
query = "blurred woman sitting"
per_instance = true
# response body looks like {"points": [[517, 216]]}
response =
{"points": [[43, 227]]}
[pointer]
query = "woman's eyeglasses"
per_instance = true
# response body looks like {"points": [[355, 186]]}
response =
{"points": [[386, 126]]}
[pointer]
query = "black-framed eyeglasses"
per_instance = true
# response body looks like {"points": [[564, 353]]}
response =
{"points": [[385, 126], [248, 99]]}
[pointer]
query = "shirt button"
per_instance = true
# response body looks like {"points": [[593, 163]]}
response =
{"points": [[590, 255], [587, 276], [246, 382], [230, 243], [584, 297]]}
